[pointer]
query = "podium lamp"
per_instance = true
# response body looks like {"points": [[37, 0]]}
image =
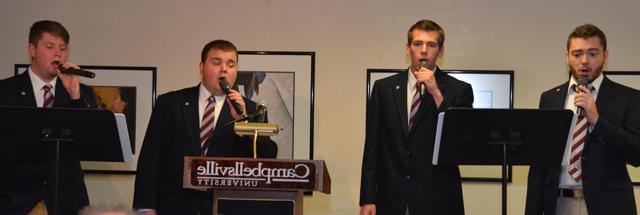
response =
{"points": [[255, 129]]}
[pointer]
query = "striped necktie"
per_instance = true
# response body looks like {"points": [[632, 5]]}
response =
{"points": [[207, 125], [577, 144], [415, 104], [48, 96], [579, 137]]}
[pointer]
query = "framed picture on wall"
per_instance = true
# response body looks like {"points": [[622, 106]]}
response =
{"points": [[630, 79], [285, 82], [127, 90], [491, 89]]}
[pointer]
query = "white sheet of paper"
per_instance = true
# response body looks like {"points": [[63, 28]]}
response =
{"points": [[123, 132], [436, 147]]}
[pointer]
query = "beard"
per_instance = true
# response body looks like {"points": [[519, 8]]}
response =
{"points": [[592, 76]]}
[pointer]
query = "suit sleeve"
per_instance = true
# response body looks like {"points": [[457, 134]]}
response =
{"points": [[369, 174], [87, 98], [535, 190], [267, 148], [146, 184], [623, 140], [534, 203], [463, 97]]}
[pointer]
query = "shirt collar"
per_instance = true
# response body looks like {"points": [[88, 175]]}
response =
{"points": [[204, 94], [595, 83], [38, 83]]}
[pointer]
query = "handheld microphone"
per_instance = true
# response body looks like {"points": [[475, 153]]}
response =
{"points": [[224, 84], [261, 112], [582, 81], [423, 87], [78, 72], [258, 116]]}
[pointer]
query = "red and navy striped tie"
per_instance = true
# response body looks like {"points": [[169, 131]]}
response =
{"points": [[48, 96], [579, 138], [207, 126], [415, 104]]}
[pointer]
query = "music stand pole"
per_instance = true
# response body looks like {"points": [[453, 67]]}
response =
{"points": [[48, 139], [504, 179], [498, 139]]}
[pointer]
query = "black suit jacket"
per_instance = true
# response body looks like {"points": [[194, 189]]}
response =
{"points": [[172, 133], [396, 167], [25, 184], [613, 143]]}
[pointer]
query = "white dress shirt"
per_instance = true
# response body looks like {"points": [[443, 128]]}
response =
{"points": [[566, 181], [37, 85], [203, 96], [411, 90]]}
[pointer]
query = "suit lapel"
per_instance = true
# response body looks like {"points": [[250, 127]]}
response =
{"points": [[559, 98], [26, 96], [605, 95], [221, 126], [61, 98], [427, 105], [400, 94], [191, 119]]}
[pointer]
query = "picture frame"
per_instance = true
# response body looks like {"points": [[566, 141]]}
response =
{"points": [[629, 79], [491, 88], [286, 81], [130, 86]]}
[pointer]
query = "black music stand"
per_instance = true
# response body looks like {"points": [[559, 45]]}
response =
{"points": [[486, 136], [40, 136]]}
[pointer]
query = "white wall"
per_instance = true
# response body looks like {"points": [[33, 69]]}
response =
{"points": [[348, 37]]}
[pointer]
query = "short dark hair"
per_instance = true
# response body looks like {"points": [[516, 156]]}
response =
{"points": [[587, 31], [426, 25], [52, 27], [218, 44]]}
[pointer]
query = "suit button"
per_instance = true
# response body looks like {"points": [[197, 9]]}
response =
{"points": [[44, 182], [408, 177], [407, 152]]}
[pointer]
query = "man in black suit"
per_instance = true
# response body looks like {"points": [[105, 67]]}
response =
{"points": [[397, 174], [25, 186], [594, 179], [173, 133]]}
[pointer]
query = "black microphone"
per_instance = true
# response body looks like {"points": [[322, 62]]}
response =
{"points": [[423, 87], [78, 72], [224, 84], [258, 116], [582, 81], [261, 112]]}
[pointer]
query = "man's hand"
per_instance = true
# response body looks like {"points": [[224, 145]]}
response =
{"points": [[71, 83], [428, 77], [237, 98], [585, 100], [368, 209]]}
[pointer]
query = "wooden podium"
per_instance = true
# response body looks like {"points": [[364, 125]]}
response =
{"points": [[278, 184]]}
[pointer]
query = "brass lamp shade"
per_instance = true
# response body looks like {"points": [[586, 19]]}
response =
{"points": [[263, 129]]}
